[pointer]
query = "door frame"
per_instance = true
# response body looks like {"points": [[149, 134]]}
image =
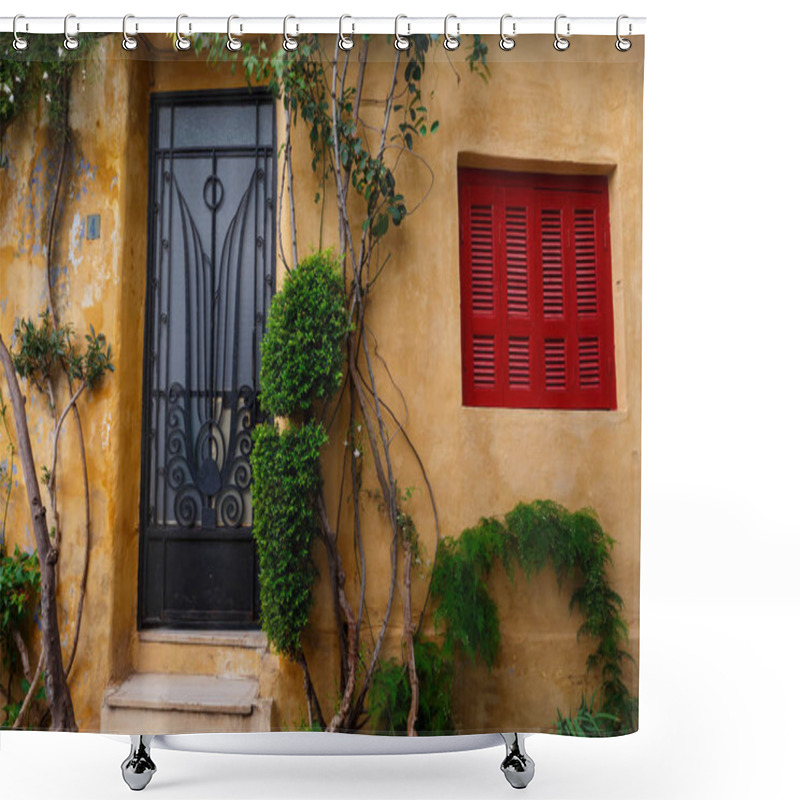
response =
{"points": [[156, 100]]}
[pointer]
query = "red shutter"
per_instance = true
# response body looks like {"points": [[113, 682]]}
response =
{"points": [[516, 248], [536, 305], [575, 368], [481, 324]]}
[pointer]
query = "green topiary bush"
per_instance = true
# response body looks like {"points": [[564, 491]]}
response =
{"points": [[302, 350], [302, 355], [286, 478]]}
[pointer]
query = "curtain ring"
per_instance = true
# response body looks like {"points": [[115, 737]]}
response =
{"points": [[70, 42], [181, 42], [345, 42], [400, 42], [507, 42], [20, 44], [233, 44], [128, 42], [451, 42], [560, 43], [623, 45], [289, 43]]}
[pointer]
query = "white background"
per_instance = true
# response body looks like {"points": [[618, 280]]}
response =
{"points": [[720, 535]]}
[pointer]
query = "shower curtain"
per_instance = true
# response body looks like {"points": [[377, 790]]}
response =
{"points": [[321, 383]]}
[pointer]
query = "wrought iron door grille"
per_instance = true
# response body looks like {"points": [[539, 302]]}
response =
{"points": [[210, 281]]}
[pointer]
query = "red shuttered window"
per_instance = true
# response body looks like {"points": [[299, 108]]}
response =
{"points": [[536, 312]]}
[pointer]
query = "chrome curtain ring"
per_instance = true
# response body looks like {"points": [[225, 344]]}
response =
{"points": [[181, 42], [623, 45], [70, 42], [507, 42], [560, 43], [289, 42], [451, 42], [20, 44], [345, 41], [401, 42], [233, 44], [128, 42]]}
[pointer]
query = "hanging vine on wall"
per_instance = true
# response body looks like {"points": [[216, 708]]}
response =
{"points": [[532, 536]]}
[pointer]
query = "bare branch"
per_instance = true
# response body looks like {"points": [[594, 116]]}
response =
{"points": [[23, 654], [31, 692], [314, 709], [58, 696], [288, 161], [349, 686], [87, 542], [408, 638]]}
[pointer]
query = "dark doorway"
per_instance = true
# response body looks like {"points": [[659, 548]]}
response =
{"points": [[211, 275]]}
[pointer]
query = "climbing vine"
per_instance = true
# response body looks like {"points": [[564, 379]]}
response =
{"points": [[357, 144], [46, 355], [39, 74]]}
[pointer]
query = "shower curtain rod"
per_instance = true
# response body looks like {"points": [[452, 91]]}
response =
{"points": [[294, 25]]}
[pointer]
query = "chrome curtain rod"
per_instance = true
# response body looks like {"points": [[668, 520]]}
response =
{"points": [[295, 25]]}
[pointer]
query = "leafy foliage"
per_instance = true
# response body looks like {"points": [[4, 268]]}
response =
{"points": [[19, 585], [588, 720], [40, 72], [20, 580], [302, 350], [39, 349], [390, 693], [286, 478], [301, 363], [301, 79], [534, 535]]}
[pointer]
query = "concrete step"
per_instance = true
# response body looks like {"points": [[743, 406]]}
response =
{"points": [[228, 654], [160, 703]]}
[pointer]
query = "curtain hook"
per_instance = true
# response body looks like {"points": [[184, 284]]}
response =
{"points": [[70, 42], [560, 43], [181, 42], [401, 42], [623, 45], [19, 43], [289, 43], [233, 43], [345, 42], [128, 42], [507, 42], [451, 42]]}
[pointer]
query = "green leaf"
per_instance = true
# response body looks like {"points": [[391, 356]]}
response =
{"points": [[381, 226]]}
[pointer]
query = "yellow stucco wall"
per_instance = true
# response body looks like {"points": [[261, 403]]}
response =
{"points": [[575, 112]]}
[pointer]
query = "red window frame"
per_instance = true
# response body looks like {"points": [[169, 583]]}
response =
{"points": [[537, 327]]}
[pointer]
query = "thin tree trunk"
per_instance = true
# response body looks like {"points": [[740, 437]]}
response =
{"points": [[56, 689], [349, 686], [290, 176], [314, 709], [408, 639]]}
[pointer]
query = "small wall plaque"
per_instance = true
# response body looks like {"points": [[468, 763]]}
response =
{"points": [[93, 226]]}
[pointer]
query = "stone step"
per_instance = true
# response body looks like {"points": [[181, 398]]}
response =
{"points": [[160, 703], [229, 654]]}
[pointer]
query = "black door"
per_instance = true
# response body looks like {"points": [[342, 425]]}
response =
{"points": [[210, 281]]}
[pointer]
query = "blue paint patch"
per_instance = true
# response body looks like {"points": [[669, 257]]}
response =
{"points": [[3, 304]]}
